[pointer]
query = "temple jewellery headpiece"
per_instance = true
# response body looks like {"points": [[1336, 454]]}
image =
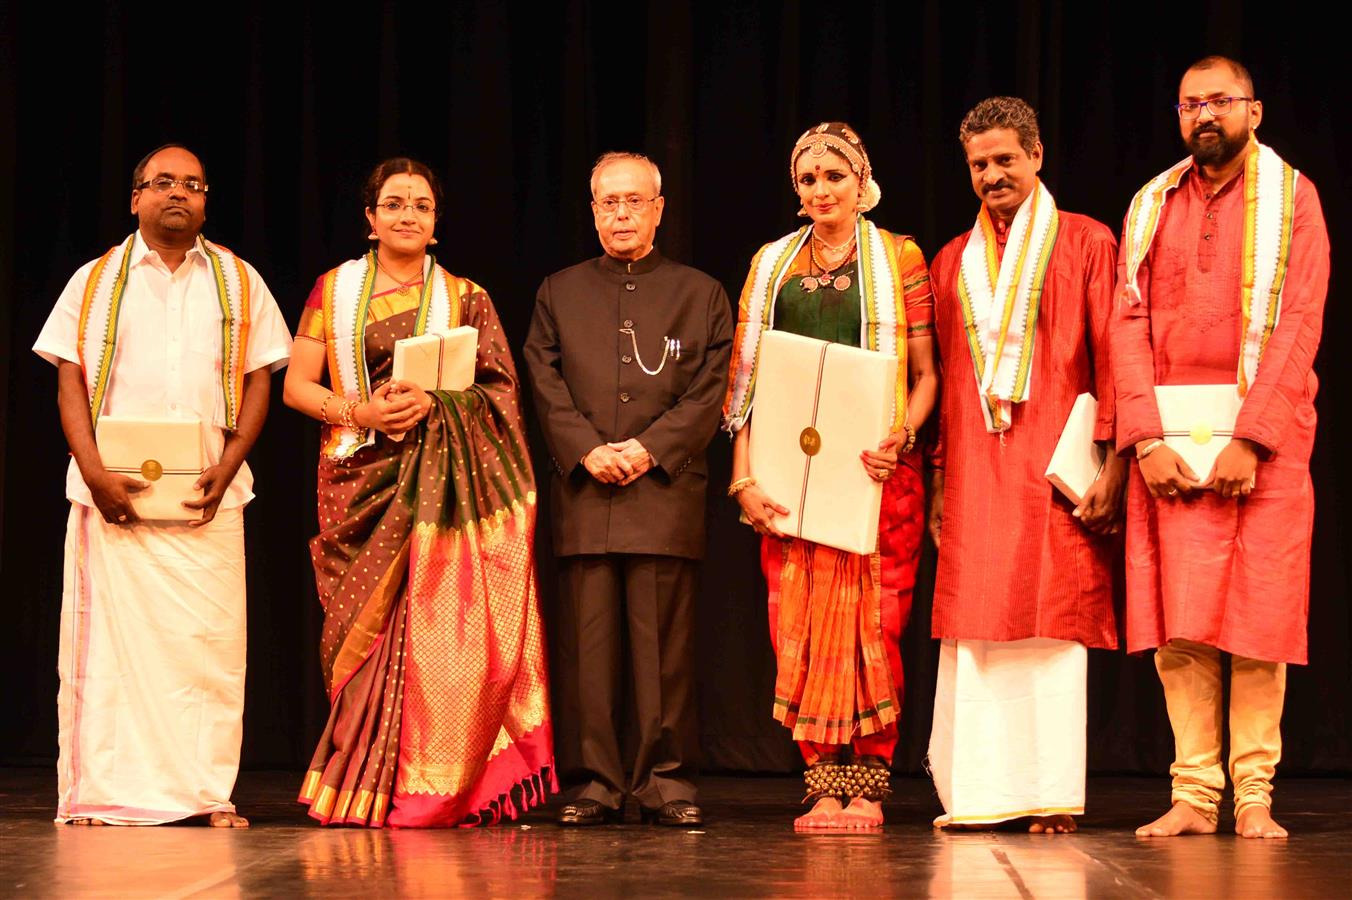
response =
{"points": [[841, 138], [671, 348]]}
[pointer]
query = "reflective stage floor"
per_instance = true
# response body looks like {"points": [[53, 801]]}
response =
{"points": [[747, 849]]}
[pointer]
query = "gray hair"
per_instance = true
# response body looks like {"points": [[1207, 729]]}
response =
{"points": [[615, 156]]}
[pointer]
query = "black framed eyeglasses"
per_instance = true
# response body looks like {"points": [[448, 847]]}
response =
{"points": [[164, 183], [1217, 106]]}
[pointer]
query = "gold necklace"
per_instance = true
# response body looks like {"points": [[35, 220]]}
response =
{"points": [[405, 287], [841, 254], [839, 282]]}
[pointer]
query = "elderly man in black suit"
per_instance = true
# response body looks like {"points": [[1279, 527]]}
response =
{"points": [[628, 357]]}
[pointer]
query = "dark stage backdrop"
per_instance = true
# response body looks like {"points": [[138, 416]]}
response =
{"points": [[290, 109]]}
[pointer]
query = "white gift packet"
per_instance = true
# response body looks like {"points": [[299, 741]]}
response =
{"points": [[818, 405]]}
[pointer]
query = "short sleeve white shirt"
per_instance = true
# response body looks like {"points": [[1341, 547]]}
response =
{"points": [[168, 359]]}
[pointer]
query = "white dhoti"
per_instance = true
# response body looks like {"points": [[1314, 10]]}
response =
{"points": [[152, 669], [1009, 730]]}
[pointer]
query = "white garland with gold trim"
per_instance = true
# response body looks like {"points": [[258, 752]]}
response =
{"points": [[347, 299], [1143, 218], [100, 313], [881, 323], [1268, 219], [1269, 214], [1000, 297]]}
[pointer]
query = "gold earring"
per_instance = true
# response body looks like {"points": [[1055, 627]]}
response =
{"points": [[373, 236], [432, 242], [802, 212]]}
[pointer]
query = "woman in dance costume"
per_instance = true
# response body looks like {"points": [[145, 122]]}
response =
{"points": [[836, 618]]}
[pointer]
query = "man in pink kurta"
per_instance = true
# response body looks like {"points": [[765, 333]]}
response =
{"points": [[1020, 565], [1225, 568]]}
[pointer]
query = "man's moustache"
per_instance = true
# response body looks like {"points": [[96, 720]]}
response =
{"points": [[999, 185]]}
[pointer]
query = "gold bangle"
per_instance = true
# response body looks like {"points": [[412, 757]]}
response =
{"points": [[910, 438], [324, 409], [740, 485]]}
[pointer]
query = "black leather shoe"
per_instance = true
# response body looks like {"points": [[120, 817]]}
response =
{"points": [[674, 813], [588, 812]]}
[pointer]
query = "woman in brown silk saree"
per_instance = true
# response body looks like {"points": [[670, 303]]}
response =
{"points": [[432, 645]]}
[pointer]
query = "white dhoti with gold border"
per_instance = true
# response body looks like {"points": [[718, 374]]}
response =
{"points": [[1009, 730], [152, 661]]}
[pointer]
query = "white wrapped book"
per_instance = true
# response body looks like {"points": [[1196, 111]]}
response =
{"points": [[165, 453], [818, 405], [438, 360], [1077, 460], [1198, 421]]}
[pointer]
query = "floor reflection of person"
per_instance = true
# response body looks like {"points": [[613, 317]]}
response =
{"points": [[432, 647], [836, 618]]}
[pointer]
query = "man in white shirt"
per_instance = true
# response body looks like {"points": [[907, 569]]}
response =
{"points": [[167, 325]]}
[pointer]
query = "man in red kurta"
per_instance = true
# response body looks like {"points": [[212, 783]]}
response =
{"points": [[1219, 560], [1024, 577]]}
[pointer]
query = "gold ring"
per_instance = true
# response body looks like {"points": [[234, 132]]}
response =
{"points": [[1173, 491]]}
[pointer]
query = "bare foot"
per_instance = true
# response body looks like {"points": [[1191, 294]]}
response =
{"points": [[862, 813], [227, 820], [1058, 824], [84, 821], [1255, 821], [1180, 819], [825, 813]]}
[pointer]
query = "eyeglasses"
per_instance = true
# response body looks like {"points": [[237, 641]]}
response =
{"points": [[164, 183], [635, 203], [395, 207], [1217, 106]]}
